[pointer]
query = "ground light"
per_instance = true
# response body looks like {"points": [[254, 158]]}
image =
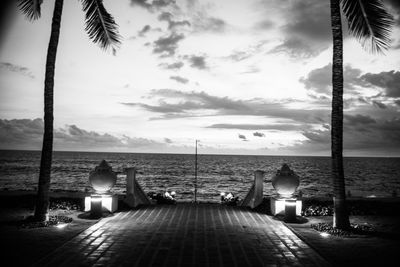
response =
{"points": [[324, 234], [61, 225]]}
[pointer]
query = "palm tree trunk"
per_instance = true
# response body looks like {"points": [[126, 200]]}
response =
{"points": [[340, 218], [42, 199]]}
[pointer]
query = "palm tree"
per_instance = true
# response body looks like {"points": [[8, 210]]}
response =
{"points": [[371, 24], [102, 29]]}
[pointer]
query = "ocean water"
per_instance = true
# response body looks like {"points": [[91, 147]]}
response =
{"points": [[19, 170]]}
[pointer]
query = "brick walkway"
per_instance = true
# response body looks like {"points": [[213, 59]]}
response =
{"points": [[186, 235]]}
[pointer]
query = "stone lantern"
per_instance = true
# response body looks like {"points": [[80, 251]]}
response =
{"points": [[286, 183], [102, 179]]}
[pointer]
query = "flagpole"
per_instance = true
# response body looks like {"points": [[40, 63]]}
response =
{"points": [[195, 174]]}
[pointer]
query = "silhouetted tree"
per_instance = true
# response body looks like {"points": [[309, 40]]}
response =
{"points": [[371, 24], [102, 29]]}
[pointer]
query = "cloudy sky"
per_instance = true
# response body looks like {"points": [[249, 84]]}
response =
{"points": [[244, 77]]}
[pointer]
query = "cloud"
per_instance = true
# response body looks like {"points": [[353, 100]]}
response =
{"points": [[198, 14], [311, 19], [358, 119], [264, 25], [201, 20], [198, 62], [28, 134], [172, 24], [379, 104], [319, 84], [389, 80], [179, 79], [146, 29], [394, 3], [168, 141], [272, 127], [194, 104], [251, 69], [318, 136], [378, 138], [250, 51], [296, 47], [75, 136], [152, 5], [204, 23], [397, 102], [166, 46], [242, 137], [308, 30], [165, 16], [16, 132], [239, 55], [320, 80], [258, 134], [172, 66], [394, 9], [17, 69]]}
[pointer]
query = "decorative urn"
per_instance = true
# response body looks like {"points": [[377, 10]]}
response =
{"points": [[102, 179], [285, 182]]}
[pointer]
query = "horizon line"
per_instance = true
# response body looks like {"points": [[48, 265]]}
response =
{"points": [[209, 154]]}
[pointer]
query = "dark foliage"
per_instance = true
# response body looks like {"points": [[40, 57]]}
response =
{"points": [[317, 210], [31, 8], [369, 22], [162, 198], [65, 204], [355, 207], [53, 221], [229, 199], [100, 25], [355, 229]]}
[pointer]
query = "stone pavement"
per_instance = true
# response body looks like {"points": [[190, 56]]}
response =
{"points": [[186, 235]]}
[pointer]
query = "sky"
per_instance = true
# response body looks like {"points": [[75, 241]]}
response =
{"points": [[243, 77]]}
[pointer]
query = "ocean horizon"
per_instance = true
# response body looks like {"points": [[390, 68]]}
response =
{"points": [[210, 154], [160, 172]]}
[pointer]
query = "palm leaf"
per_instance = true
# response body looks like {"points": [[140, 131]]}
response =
{"points": [[100, 25], [31, 8], [369, 22]]}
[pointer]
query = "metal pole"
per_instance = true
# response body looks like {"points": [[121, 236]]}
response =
{"points": [[195, 175]]}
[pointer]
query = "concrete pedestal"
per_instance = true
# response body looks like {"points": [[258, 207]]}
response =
{"points": [[94, 203], [278, 205]]}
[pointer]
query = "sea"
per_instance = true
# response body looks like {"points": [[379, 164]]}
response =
{"points": [[364, 176]]}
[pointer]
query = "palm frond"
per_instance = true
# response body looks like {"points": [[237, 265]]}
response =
{"points": [[31, 8], [100, 25], [369, 22]]}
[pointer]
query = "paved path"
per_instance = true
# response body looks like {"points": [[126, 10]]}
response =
{"points": [[186, 235]]}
